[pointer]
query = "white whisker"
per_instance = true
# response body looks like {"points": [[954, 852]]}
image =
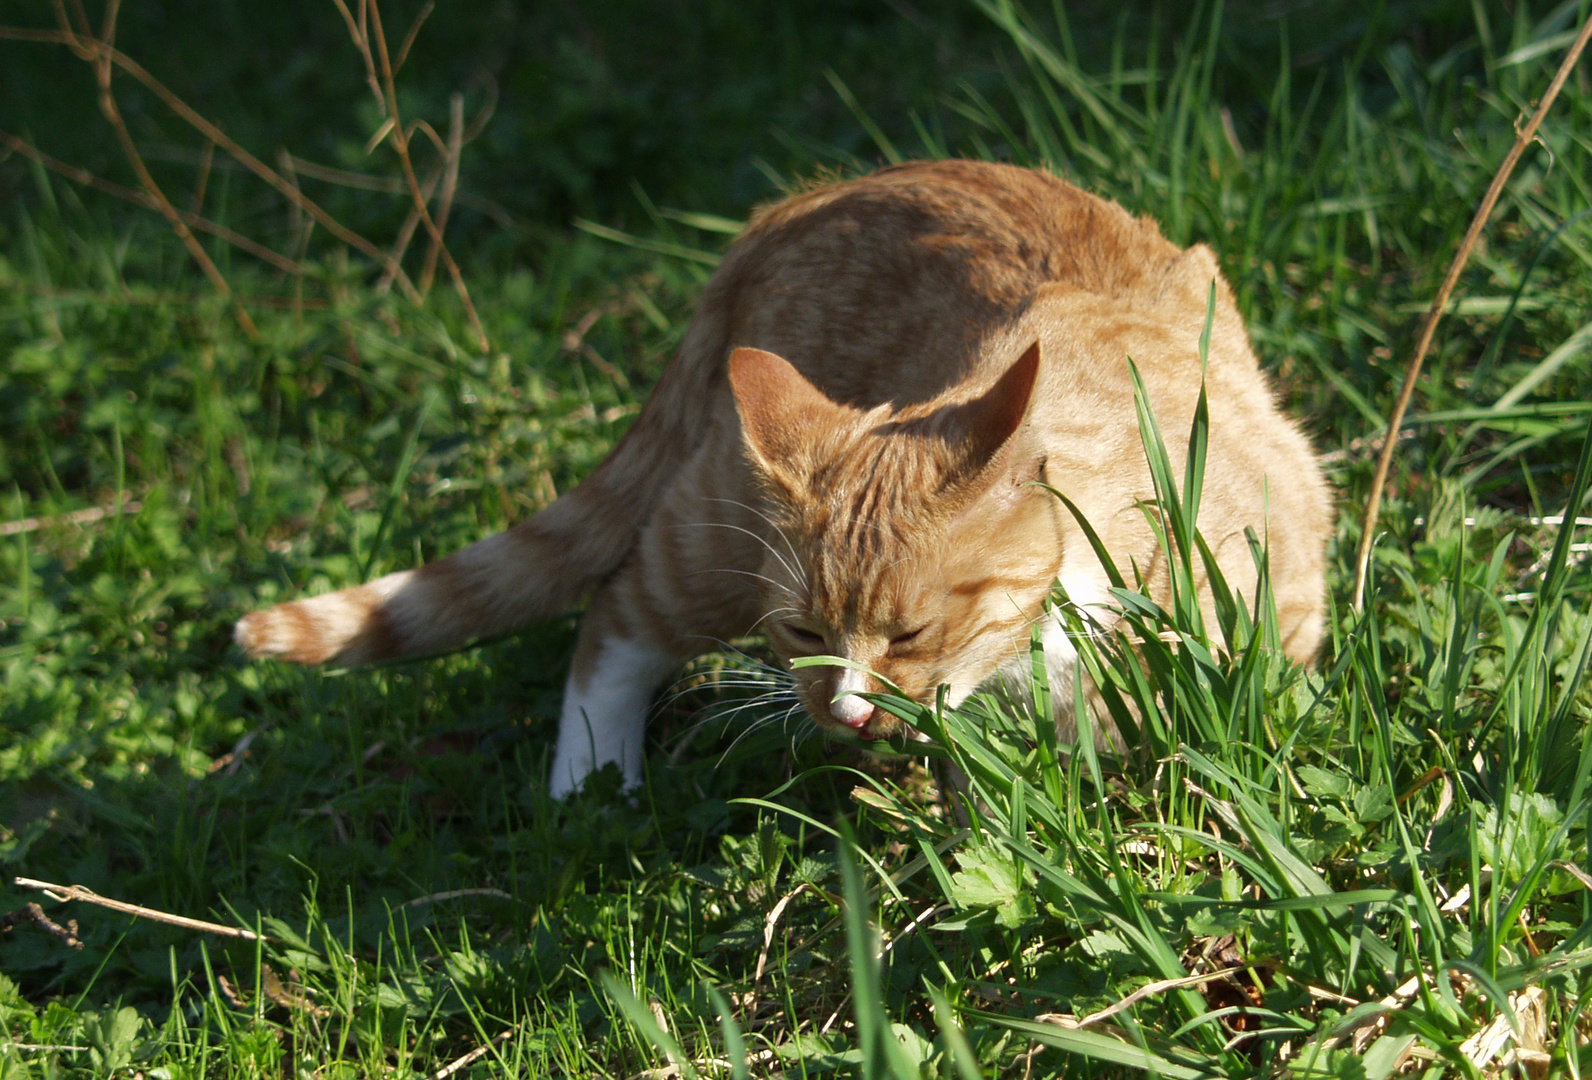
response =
{"points": [[778, 531], [746, 573], [789, 568], [755, 726]]}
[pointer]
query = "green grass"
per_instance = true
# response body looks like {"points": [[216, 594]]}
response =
{"points": [[1389, 851]]}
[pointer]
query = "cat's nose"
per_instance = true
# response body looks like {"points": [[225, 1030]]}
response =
{"points": [[852, 711], [847, 706]]}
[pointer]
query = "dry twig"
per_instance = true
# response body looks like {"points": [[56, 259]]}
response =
{"points": [[216, 135], [454, 894], [96, 52], [1523, 138], [472, 1057], [400, 141], [405, 235], [450, 184], [190, 218], [89, 896], [35, 914], [99, 51], [76, 517], [1148, 990]]}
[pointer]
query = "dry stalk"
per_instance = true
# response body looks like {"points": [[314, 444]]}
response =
{"points": [[400, 141], [1523, 138], [414, 32], [472, 131], [450, 184], [216, 135], [76, 517], [97, 50], [356, 30], [33, 913], [297, 230], [80, 12], [388, 185], [1146, 991], [474, 1055], [74, 31], [154, 299], [202, 184], [407, 232], [454, 894], [89, 896], [142, 198]]}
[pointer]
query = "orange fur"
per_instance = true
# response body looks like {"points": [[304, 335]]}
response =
{"points": [[840, 455]]}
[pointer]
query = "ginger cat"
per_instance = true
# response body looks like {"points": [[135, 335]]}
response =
{"points": [[840, 456]]}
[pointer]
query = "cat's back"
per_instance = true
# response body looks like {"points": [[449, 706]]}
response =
{"points": [[883, 288], [1007, 229]]}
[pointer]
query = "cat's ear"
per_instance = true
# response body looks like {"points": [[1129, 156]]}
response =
{"points": [[988, 424], [778, 407]]}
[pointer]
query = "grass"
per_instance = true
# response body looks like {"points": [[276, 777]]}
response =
{"points": [[1378, 866]]}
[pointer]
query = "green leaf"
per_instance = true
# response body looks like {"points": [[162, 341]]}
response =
{"points": [[987, 878], [113, 1037], [1322, 784]]}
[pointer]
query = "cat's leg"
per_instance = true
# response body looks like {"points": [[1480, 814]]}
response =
{"points": [[606, 700], [683, 592]]}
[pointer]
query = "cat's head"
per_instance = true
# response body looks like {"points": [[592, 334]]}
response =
{"points": [[913, 543]]}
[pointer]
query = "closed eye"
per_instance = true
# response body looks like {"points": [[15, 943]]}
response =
{"points": [[903, 640], [807, 639]]}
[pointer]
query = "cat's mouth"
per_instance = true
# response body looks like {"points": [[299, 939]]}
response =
{"points": [[857, 718], [838, 701]]}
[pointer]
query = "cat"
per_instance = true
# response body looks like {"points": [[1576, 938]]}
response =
{"points": [[844, 453]]}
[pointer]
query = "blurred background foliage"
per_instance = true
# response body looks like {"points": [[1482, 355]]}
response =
{"points": [[696, 104]]}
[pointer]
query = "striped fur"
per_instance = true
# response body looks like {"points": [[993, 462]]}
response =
{"points": [[841, 456]]}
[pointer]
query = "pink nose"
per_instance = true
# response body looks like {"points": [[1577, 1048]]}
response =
{"points": [[852, 711]]}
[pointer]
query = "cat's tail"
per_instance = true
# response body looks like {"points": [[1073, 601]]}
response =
{"points": [[536, 570]]}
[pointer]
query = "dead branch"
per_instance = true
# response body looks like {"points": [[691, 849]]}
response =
{"points": [[454, 894], [33, 913], [76, 517], [473, 1056], [202, 184], [414, 32], [100, 60], [401, 145], [88, 896], [142, 198], [407, 232], [1523, 138], [450, 184], [216, 135]]}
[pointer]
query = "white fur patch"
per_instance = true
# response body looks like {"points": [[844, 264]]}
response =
{"points": [[1088, 592], [1061, 654], [605, 714]]}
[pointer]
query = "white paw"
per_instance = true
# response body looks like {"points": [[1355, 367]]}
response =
{"points": [[604, 717]]}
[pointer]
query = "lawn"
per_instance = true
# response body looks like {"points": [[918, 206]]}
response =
{"points": [[1377, 866]]}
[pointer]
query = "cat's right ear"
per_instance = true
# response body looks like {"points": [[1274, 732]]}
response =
{"points": [[778, 408]]}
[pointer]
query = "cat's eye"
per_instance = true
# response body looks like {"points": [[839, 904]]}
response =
{"points": [[805, 637], [903, 640]]}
